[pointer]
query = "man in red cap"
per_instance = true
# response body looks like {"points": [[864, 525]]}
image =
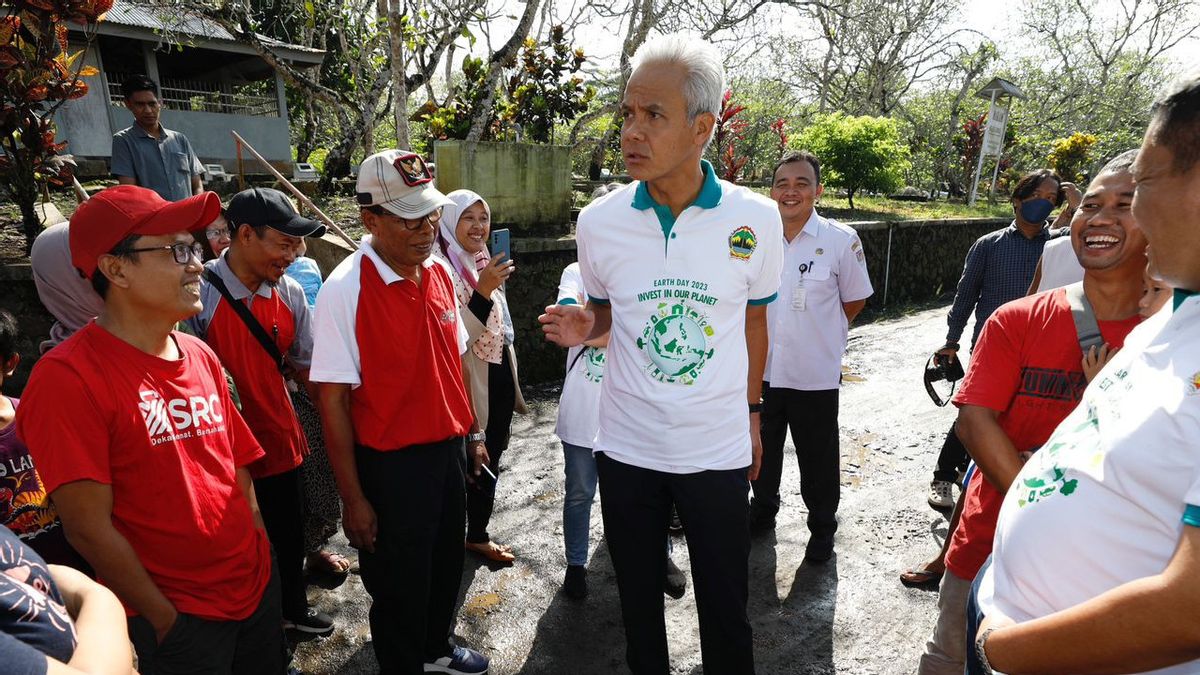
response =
{"points": [[132, 429]]}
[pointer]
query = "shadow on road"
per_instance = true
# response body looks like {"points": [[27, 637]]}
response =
{"points": [[792, 633], [581, 637]]}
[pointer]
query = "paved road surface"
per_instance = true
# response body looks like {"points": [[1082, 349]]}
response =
{"points": [[850, 615]]}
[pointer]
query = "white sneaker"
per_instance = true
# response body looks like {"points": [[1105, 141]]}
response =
{"points": [[941, 494]]}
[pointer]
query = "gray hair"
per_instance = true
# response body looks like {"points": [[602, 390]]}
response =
{"points": [[704, 80]]}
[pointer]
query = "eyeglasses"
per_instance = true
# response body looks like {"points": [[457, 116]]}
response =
{"points": [[214, 234], [182, 252], [413, 224]]}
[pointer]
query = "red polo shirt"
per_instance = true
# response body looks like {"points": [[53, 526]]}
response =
{"points": [[399, 345], [166, 437], [266, 403]]}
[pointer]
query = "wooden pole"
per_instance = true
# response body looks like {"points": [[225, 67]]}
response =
{"points": [[295, 191]]}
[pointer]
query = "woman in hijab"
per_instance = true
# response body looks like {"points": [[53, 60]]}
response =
{"points": [[67, 295], [490, 362]]}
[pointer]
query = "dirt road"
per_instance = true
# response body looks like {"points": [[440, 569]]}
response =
{"points": [[850, 615]]}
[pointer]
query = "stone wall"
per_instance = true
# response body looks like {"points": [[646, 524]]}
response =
{"points": [[19, 296], [925, 263]]}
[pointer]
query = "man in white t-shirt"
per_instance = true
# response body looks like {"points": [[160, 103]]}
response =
{"points": [[1097, 549], [825, 285], [680, 266]]}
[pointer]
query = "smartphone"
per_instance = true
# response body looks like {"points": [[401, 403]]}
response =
{"points": [[500, 243]]}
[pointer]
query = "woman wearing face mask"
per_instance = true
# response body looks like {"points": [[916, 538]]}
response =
{"points": [[490, 362]]}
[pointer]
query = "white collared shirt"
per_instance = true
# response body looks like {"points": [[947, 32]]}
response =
{"points": [[823, 267]]}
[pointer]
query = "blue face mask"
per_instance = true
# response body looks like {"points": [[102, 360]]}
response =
{"points": [[1036, 210]]}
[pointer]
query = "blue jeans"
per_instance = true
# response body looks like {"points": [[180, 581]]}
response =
{"points": [[580, 470]]}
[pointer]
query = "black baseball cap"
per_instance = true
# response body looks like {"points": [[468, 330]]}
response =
{"points": [[272, 208]]}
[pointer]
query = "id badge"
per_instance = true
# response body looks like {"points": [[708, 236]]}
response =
{"points": [[799, 297]]}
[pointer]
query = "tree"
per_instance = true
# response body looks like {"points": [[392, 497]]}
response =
{"points": [[37, 76], [546, 89], [857, 153], [1069, 157]]}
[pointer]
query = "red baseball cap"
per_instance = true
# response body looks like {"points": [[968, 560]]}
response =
{"points": [[100, 223]]}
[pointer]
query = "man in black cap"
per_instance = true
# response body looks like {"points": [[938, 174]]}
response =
{"points": [[257, 321]]}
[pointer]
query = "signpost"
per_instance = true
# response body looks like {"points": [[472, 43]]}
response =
{"points": [[1000, 94]]}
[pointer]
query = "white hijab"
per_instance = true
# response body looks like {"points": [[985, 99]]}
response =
{"points": [[465, 263]]}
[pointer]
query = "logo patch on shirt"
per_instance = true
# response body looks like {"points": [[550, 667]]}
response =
{"points": [[742, 243], [1194, 385], [820, 251], [447, 316]]}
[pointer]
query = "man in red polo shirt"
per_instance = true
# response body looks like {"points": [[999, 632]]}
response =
{"points": [[1025, 377], [267, 236], [139, 445], [387, 348]]}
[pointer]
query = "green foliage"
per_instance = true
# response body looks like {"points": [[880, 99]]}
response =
{"points": [[37, 75], [1069, 157], [857, 153], [453, 120], [546, 89]]}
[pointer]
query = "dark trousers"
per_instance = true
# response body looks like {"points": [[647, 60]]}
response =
{"points": [[636, 504], [282, 506], [196, 646], [414, 572], [813, 419], [952, 459], [481, 495]]}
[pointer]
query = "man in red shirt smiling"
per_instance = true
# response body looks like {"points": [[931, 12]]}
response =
{"points": [[267, 236], [1025, 377], [133, 432]]}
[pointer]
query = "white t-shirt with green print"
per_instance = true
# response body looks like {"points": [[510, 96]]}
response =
{"points": [[1105, 500], [673, 397]]}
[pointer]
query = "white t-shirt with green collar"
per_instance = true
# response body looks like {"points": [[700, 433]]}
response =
{"points": [[673, 397], [1105, 500]]}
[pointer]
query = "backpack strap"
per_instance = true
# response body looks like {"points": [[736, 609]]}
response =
{"points": [[1086, 328], [243, 312]]}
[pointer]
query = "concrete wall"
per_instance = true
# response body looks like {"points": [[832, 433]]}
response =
{"points": [[926, 261], [528, 187]]}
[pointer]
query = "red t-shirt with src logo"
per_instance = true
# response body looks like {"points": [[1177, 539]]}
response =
{"points": [[166, 437], [1027, 365]]}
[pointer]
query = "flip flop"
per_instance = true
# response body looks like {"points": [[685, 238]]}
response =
{"points": [[492, 551], [329, 562], [920, 577]]}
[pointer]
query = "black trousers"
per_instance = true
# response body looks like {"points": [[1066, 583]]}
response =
{"points": [[282, 506], [636, 504], [414, 572], [196, 646], [813, 419], [952, 459], [481, 495]]}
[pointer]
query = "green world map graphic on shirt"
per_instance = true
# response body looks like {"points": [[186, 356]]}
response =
{"points": [[676, 341], [1081, 440], [593, 364]]}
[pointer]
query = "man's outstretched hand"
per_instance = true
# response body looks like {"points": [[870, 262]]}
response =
{"points": [[567, 325]]}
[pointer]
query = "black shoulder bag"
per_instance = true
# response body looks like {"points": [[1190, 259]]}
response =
{"points": [[243, 312]]}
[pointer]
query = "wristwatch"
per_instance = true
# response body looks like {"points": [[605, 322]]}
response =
{"points": [[756, 407], [477, 437], [981, 651]]}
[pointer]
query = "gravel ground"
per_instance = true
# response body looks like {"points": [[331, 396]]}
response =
{"points": [[850, 615]]}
